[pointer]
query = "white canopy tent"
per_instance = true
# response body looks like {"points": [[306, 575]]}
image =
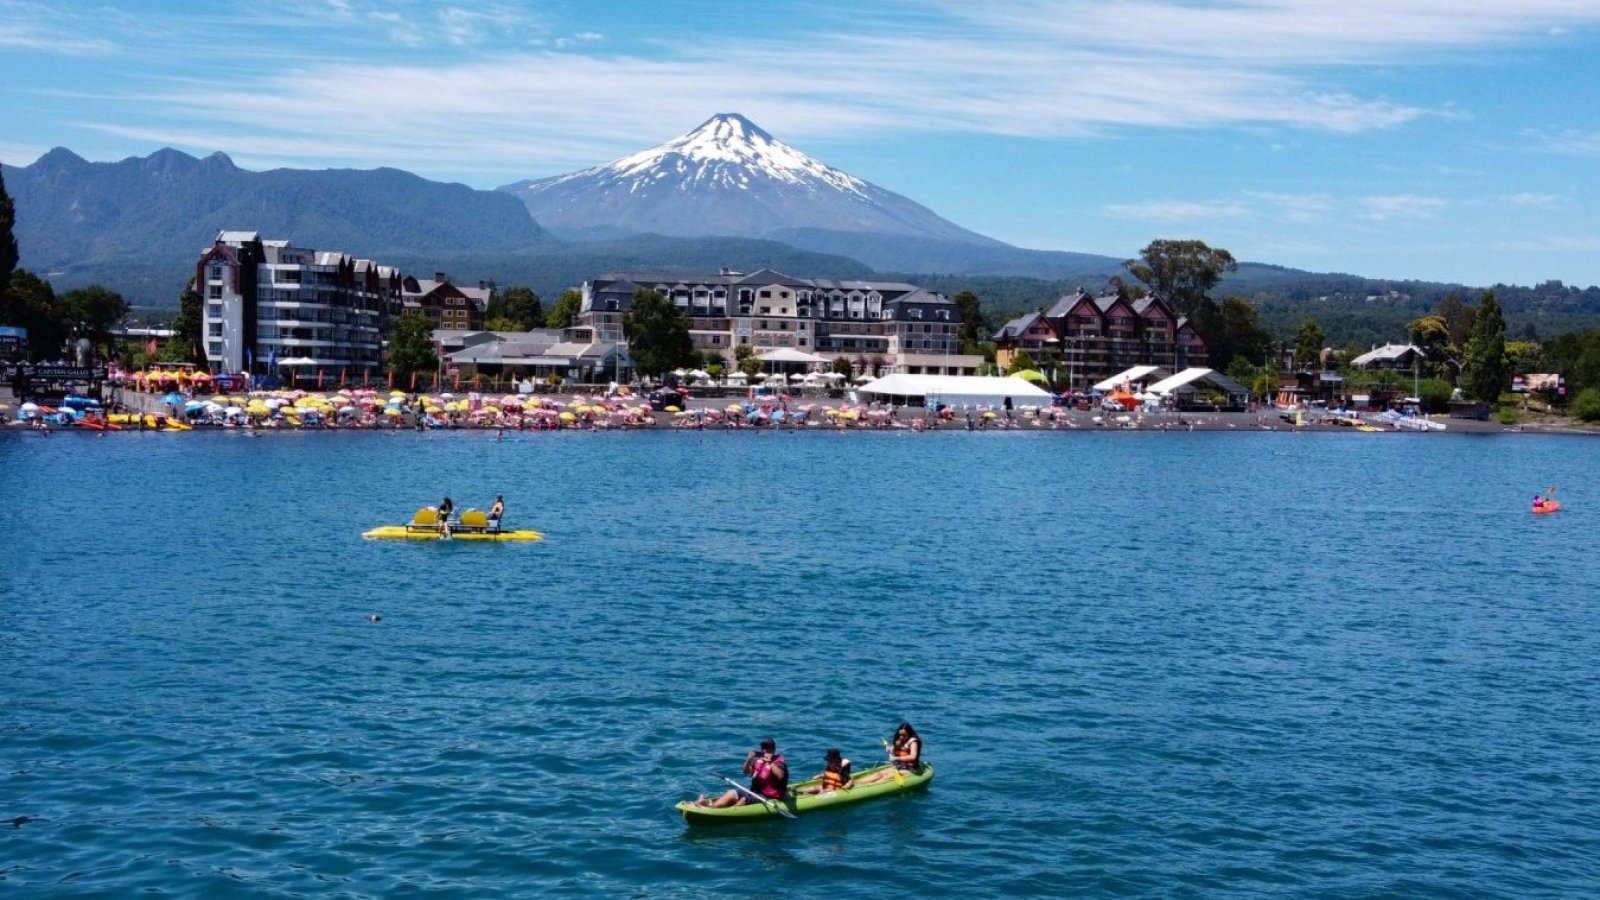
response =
{"points": [[1126, 377], [1187, 376], [955, 390]]}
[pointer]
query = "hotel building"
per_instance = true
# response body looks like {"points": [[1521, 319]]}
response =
{"points": [[911, 329], [268, 301]]}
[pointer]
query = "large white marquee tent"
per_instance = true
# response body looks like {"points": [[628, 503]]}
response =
{"points": [[954, 390]]}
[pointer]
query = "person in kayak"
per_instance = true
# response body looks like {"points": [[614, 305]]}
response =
{"points": [[769, 777], [836, 777], [905, 754], [1538, 502]]}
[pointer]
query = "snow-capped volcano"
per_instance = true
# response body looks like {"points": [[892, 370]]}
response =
{"points": [[727, 177]]}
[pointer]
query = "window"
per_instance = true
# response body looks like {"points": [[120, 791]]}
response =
{"points": [[214, 348], [214, 329], [766, 295]]}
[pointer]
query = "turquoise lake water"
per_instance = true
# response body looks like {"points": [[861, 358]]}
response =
{"points": [[1144, 664]]}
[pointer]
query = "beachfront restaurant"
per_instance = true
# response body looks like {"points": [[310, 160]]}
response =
{"points": [[954, 391]]}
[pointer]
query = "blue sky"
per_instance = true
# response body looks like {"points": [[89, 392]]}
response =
{"points": [[1443, 139]]}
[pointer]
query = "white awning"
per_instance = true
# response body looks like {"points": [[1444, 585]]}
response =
{"points": [[1127, 377], [790, 355]]}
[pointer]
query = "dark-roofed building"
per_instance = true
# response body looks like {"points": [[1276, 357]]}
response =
{"points": [[448, 306], [1097, 337], [912, 329]]}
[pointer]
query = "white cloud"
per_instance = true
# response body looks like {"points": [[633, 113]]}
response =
{"points": [[1030, 68], [1531, 199], [1565, 141], [1171, 211], [1400, 206]]}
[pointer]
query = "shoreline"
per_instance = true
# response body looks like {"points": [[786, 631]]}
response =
{"points": [[714, 414]]}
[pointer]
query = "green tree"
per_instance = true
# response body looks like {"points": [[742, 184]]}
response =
{"points": [[750, 365], [1308, 344], [1020, 362], [1431, 335], [1181, 272], [1484, 372], [841, 366], [1524, 356], [411, 349], [971, 319], [1586, 406], [1265, 384], [658, 333], [1231, 329], [519, 305], [566, 309], [1434, 395], [187, 325], [502, 323], [8, 249], [91, 312], [877, 362], [33, 306], [742, 353], [1457, 317]]}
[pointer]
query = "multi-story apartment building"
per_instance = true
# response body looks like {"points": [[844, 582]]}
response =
{"points": [[1087, 339], [270, 300], [911, 329]]}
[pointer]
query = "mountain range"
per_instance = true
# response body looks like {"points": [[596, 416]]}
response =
{"points": [[724, 194]]}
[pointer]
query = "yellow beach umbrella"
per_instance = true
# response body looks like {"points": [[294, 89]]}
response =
{"points": [[568, 417]]}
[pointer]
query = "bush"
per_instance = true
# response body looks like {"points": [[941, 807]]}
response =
{"points": [[1586, 406], [1509, 415], [1434, 395]]}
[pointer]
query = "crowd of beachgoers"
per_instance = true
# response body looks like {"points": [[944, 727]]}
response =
{"points": [[358, 408]]}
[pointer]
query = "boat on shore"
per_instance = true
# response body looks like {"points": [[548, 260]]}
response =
{"points": [[799, 804], [425, 526]]}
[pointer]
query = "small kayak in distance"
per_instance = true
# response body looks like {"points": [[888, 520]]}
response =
{"points": [[800, 804], [1549, 506]]}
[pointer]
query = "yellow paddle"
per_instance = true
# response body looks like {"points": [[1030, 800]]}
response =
{"points": [[899, 777]]}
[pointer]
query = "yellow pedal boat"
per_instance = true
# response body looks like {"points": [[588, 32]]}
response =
{"points": [[474, 526]]}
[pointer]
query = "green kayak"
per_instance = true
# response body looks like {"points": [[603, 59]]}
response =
{"points": [[800, 804]]}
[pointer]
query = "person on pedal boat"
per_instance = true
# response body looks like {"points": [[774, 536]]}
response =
{"points": [[497, 512], [769, 778]]}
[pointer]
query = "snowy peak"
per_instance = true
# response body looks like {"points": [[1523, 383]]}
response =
{"points": [[726, 151], [726, 177]]}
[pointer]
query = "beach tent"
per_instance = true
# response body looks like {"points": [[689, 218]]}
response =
{"points": [[954, 390], [1129, 376]]}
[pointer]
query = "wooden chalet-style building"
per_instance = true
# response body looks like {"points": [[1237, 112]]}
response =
{"points": [[448, 306], [1087, 339]]}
